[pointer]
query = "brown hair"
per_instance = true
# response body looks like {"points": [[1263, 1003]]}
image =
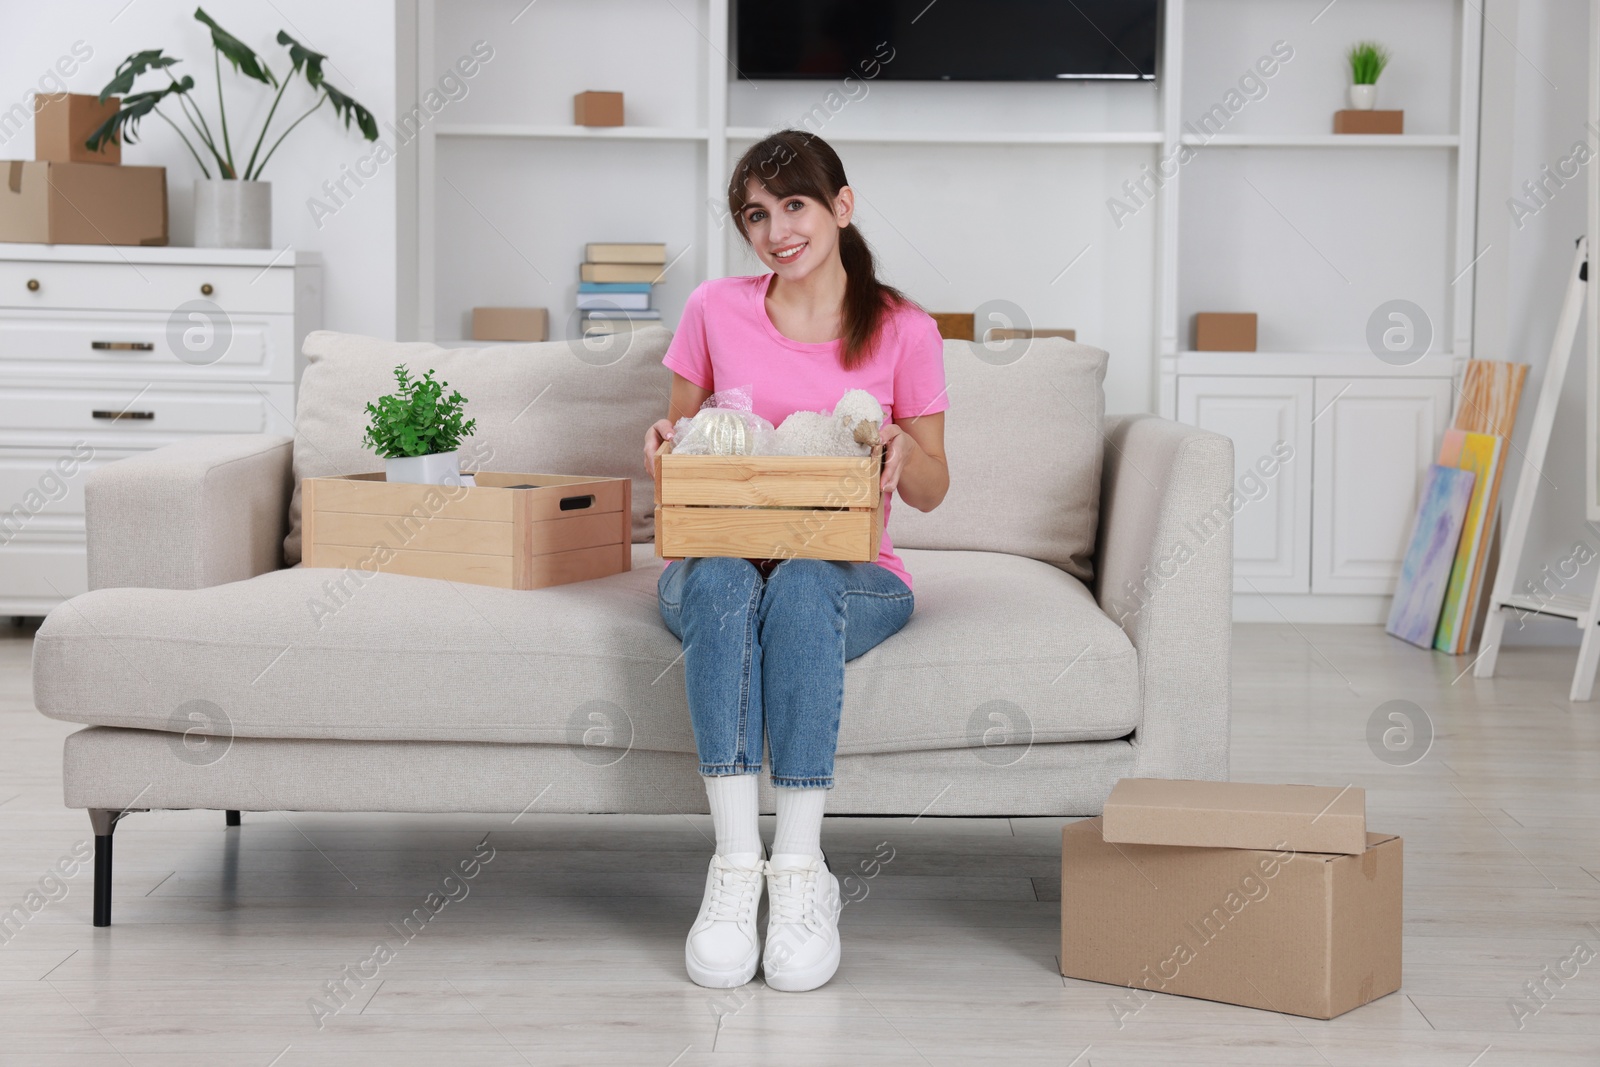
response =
{"points": [[797, 163]]}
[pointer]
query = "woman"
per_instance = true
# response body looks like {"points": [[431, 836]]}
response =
{"points": [[765, 641]]}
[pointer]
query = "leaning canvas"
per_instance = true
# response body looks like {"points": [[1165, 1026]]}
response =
{"points": [[1430, 555], [1482, 454]]}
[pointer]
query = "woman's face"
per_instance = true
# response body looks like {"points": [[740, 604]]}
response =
{"points": [[804, 230]]}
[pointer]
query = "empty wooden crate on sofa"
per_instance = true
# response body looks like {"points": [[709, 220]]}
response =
{"points": [[516, 531]]}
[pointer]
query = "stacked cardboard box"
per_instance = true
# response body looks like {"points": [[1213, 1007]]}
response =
{"points": [[614, 285], [1268, 896], [70, 195]]}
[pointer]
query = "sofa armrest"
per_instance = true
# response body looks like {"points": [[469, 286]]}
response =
{"points": [[190, 515], [1164, 573]]}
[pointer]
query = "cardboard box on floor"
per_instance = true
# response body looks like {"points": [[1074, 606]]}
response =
{"points": [[1307, 933], [82, 204]]}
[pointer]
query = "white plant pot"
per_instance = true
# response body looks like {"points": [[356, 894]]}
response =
{"points": [[232, 214], [1363, 97], [437, 468]]}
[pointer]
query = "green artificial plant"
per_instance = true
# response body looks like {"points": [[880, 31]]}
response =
{"points": [[418, 420], [1367, 60], [124, 125]]}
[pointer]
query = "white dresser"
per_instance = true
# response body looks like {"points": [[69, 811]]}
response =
{"points": [[108, 351]]}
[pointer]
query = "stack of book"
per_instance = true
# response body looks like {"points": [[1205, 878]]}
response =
{"points": [[614, 286]]}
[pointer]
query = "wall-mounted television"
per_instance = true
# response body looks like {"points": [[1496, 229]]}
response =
{"points": [[947, 40]]}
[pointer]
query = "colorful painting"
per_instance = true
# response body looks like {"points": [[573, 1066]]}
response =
{"points": [[1414, 614], [1483, 454]]}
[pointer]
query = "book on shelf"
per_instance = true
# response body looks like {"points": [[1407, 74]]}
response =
{"points": [[617, 313], [648, 252], [613, 287], [614, 301], [619, 272], [605, 327]]}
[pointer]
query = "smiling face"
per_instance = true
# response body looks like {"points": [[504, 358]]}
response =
{"points": [[795, 235]]}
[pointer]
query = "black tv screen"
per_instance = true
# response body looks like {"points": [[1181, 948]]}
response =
{"points": [[947, 40]]}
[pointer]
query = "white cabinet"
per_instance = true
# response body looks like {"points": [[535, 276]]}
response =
{"points": [[1373, 442], [1329, 456], [107, 352], [1269, 420]]}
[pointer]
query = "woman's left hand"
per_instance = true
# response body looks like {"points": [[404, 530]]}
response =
{"points": [[898, 447]]}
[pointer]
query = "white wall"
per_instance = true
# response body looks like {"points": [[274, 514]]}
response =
{"points": [[358, 242], [1533, 112]]}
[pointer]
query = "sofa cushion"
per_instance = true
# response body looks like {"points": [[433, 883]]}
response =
{"points": [[999, 650], [1023, 440], [548, 408]]}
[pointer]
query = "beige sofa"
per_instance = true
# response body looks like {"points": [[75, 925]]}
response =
{"points": [[1071, 624]]}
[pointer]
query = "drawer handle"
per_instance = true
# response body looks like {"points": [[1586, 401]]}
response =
{"points": [[115, 415], [123, 346], [206, 290], [576, 503], [33, 285]]}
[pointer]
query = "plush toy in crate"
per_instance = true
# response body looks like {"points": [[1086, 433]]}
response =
{"points": [[726, 425]]}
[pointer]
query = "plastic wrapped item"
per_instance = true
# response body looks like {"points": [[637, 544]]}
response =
{"points": [[725, 425]]}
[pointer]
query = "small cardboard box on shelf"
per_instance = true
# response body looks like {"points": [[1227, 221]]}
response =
{"points": [[82, 204], [62, 122], [510, 324], [515, 531], [1225, 331], [597, 109], [1369, 122], [769, 507]]}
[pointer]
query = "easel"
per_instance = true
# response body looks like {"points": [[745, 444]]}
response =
{"points": [[1585, 612]]}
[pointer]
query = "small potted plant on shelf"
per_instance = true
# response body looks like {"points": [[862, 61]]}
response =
{"points": [[417, 431], [1367, 60], [232, 209]]}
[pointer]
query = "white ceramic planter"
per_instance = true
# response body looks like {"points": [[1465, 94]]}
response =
{"points": [[437, 468], [232, 214], [1363, 97]]}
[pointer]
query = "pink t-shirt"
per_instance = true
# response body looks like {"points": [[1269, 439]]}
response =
{"points": [[727, 339]]}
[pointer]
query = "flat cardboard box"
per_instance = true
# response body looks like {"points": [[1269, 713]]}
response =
{"points": [[1309, 818], [597, 109], [62, 122], [1003, 333], [510, 324], [1369, 122], [1225, 331], [82, 204], [956, 325], [1305, 933]]}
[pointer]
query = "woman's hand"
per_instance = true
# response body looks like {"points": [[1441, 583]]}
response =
{"points": [[661, 431], [898, 447]]}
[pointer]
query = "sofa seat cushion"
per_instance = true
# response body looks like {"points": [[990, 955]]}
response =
{"points": [[1000, 650]]}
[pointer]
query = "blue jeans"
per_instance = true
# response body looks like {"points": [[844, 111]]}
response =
{"points": [[769, 652]]}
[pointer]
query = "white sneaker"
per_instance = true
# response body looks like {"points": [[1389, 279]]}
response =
{"points": [[723, 947], [802, 923]]}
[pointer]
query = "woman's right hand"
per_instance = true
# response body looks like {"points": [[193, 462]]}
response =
{"points": [[661, 431]]}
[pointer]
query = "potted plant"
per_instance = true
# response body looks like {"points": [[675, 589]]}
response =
{"points": [[1367, 60], [417, 431], [233, 209]]}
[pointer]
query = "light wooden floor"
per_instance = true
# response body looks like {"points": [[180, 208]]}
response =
{"points": [[569, 947]]}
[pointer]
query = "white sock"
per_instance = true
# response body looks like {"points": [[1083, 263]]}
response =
{"points": [[734, 813], [799, 822]]}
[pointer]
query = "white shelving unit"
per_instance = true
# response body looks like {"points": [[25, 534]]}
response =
{"points": [[972, 192]]}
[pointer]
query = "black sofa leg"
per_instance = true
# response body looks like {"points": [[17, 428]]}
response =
{"points": [[233, 817], [104, 821]]}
